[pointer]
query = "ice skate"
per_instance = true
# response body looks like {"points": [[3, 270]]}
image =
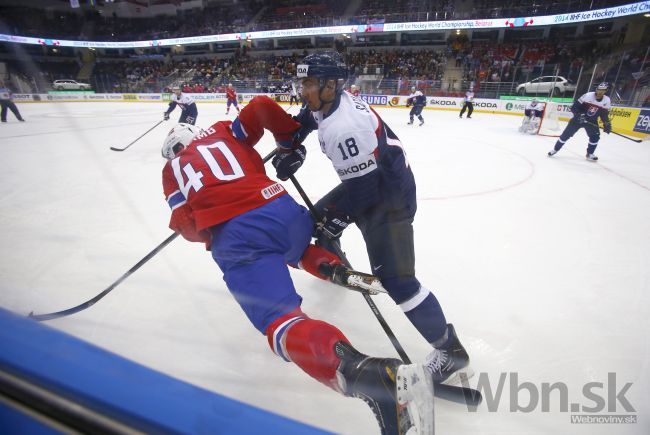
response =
{"points": [[421, 122], [410, 122], [400, 395], [552, 152], [591, 158], [446, 362]]}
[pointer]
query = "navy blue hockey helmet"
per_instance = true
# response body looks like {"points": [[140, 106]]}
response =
{"points": [[604, 86], [325, 65]]}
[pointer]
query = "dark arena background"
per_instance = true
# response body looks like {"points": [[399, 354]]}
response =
{"points": [[542, 264]]}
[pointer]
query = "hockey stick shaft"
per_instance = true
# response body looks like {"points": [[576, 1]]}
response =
{"points": [[619, 134], [94, 300], [146, 258], [140, 137], [373, 307]]}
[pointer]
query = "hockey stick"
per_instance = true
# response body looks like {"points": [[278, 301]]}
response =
{"points": [[458, 394], [94, 300], [91, 302], [398, 347], [140, 137], [618, 134]]}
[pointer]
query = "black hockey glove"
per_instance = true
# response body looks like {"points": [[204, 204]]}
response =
{"points": [[333, 223], [166, 116], [582, 119], [286, 163], [607, 128]]}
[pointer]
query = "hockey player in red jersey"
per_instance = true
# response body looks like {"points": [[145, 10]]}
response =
{"points": [[231, 96], [217, 188]]}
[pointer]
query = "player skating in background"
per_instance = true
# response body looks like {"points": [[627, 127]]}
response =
{"points": [[216, 186], [418, 101], [377, 192], [532, 117], [189, 112], [231, 96], [586, 111], [293, 95], [6, 102], [468, 104]]}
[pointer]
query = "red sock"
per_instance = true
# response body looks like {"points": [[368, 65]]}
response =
{"points": [[309, 344], [314, 256]]}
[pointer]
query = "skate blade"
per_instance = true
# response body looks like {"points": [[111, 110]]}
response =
{"points": [[457, 378], [414, 387]]}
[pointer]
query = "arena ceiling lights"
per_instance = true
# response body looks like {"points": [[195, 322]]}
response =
{"points": [[490, 23]]}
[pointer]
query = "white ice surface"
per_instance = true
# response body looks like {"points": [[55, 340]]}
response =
{"points": [[542, 264]]}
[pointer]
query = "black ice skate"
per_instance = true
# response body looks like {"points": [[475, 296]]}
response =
{"points": [[421, 122], [591, 158], [410, 122], [446, 362], [400, 395], [552, 152]]}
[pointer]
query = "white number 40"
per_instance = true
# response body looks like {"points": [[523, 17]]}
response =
{"points": [[194, 178]]}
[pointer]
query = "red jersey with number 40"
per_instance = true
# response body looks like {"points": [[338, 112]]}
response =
{"points": [[220, 175]]}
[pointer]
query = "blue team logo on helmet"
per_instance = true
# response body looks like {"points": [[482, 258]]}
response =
{"points": [[603, 86]]}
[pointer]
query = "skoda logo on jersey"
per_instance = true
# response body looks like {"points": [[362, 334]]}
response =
{"points": [[355, 170], [303, 71]]}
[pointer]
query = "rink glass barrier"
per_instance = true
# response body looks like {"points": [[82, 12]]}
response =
{"points": [[51, 382]]}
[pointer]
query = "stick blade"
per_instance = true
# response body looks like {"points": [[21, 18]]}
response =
{"points": [[117, 149]]}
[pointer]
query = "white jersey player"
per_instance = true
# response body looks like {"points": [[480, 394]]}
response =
{"points": [[377, 193], [532, 117], [189, 112]]}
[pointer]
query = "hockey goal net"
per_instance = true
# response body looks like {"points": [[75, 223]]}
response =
{"points": [[550, 123]]}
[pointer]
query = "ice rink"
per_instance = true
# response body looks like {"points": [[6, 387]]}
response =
{"points": [[542, 264]]}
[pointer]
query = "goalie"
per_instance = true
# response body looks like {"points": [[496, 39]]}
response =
{"points": [[532, 117]]}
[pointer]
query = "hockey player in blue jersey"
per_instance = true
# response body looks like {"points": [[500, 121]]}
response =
{"points": [[586, 112], [377, 193], [418, 101], [189, 111]]}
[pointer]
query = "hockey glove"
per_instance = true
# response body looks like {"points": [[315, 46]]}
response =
{"points": [[582, 119], [166, 116], [286, 163], [608, 128], [333, 223]]}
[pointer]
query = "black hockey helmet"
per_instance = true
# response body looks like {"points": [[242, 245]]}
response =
{"points": [[604, 86]]}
